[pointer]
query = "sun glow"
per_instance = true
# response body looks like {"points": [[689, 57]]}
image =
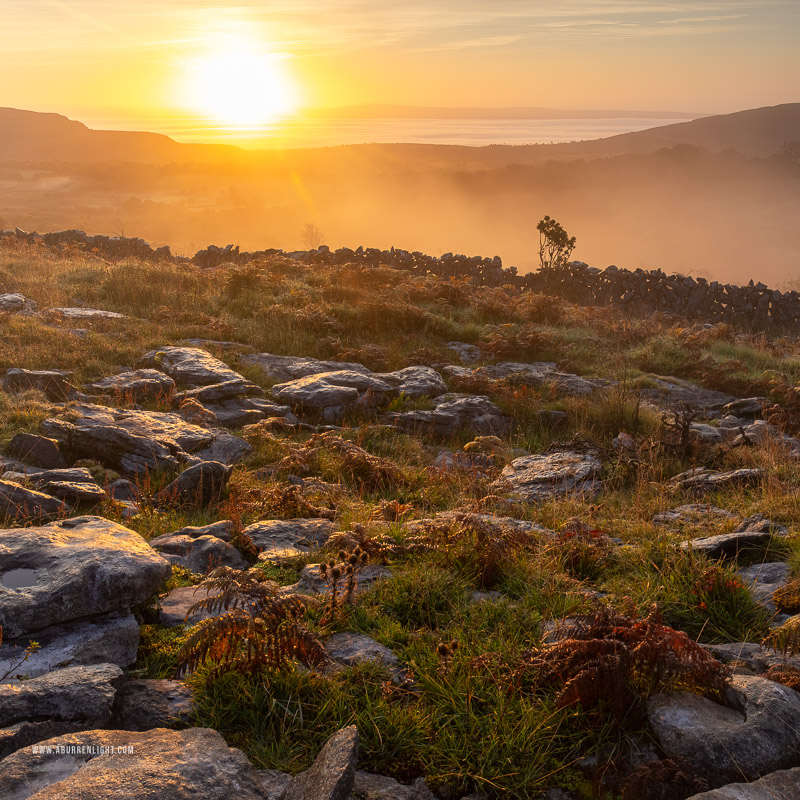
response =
{"points": [[239, 83]]}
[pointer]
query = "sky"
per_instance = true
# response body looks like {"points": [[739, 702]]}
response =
{"points": [[154, 57]]}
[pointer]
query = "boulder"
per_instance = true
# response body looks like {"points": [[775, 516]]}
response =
{"points": [[189, 365], [52, 383], [285, 368], [200, 554], [781, 785], [536, 478], [72, 569], [221, 530], [761, 734], [414, 382], [755, 533], [217, 392], [764, 579], [135, 386], [12, 301], [692, 514], [63, 701], [380, 787], [329, 389], [702, 479], [285, 538], [477, 413], [108, 639], [20, 504], [748, 407], [671, 393], [139, 441], [37, 450], [84, 313], [76, 492], [332, 774], [200, 485], [349, 649], [123, 765], [751, 655], [311, 580], [141, 705]]}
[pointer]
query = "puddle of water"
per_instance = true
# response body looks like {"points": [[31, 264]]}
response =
{"points": [[19, 579]]}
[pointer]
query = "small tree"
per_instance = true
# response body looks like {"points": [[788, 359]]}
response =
{"points": [[312, 236], [555, 244]]}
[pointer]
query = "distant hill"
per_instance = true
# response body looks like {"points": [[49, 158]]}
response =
{"points": [[35, 136], [758, 132]]}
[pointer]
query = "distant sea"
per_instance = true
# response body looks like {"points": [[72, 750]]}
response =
{"points": [[297, 133]]}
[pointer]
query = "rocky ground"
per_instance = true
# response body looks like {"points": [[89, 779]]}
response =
{"points": [[471, 497]]}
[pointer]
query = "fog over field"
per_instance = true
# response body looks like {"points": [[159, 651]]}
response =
{"points": [[716, 197]]}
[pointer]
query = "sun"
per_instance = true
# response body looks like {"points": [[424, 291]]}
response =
{"points": [[241, 84]]}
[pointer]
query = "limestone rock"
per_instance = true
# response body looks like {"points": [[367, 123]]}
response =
{"points": [[72, 569], [23, 505], [669, 393], [285, 368], [189, 365], [136, 386], [152, 765], [332, 774], [781, 785], [199, 485], [63, 701], [540, 477], [751, 655], [217, 392], [328, 389], [109, 639], [724, 744], [138, 441], [453, 412], [141, 705], [200, 554], [701, 479], [282, 538], [764, 579], [349, 648], [52, 383], [175, 606], [691, 514], [73, 492], [12, 301], [311, 580], [413, 382], [378, 787], [37, 450], [84, 313]]}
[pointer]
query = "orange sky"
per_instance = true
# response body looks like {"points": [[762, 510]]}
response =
{"points": [[93, 57]]}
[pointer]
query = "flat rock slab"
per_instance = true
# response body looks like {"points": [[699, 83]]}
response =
{"points": [[327, 389], [52, 383], [542, 477], [751, 655], [476, 413], [141, 705], [191, 366], [729, 545], [71, 569], [380, 787], [136, 385], [725, 744], [781, 785], [138, 441], [73, 492], [20, 504], [12, 301], [670, 393], [311, 580], [286, 538], [702, 479], [37, 450], [84, 313], [218, 392], [153, 765], [332, 774], [692, 513], [503, 524], [765, 579], [63, 701], [415, 382], [285, 368], [349, 649], [535, 374], [175, 606], [109, 639], [199, 554]]}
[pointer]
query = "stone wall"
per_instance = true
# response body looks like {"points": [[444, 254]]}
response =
{"points": [[638, 290]]}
